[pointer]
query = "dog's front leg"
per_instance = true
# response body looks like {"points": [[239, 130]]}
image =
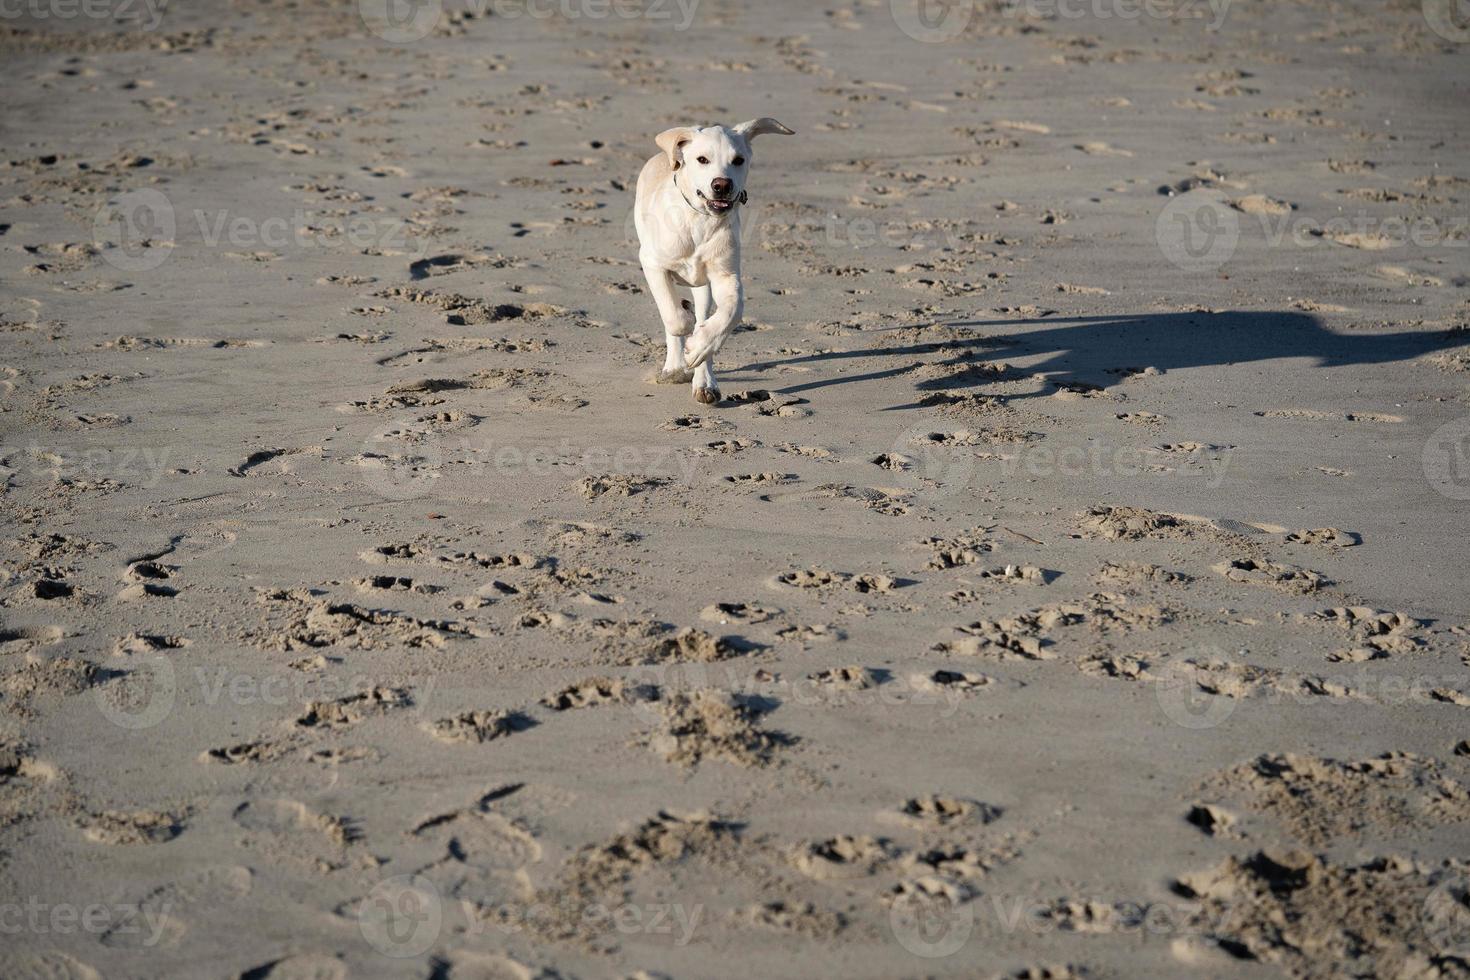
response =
{"points": [[678, 321], [705, 389], [710, 333]]}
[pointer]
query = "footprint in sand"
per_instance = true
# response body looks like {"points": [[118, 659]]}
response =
{"points": [[842, 679], [119, 827], [845, 856], [394, 583], [810, 633], [250, 466], [145, 590], [1018, 574], [1366, 241], [349, 710], [1040, 129], [693, 423], [1213, 821], [759, 479], [1102, 150], [735, 445], [809, 578], [26, 639], [1261, 204], [1190, 448], [932, 811], [596, 691], [478, 726], [725, 613], [709, 724], [1254, 571], [247, 753], [1407, 277], [137, 644], [617, 485], [443, 265], [943, 681], [1326, 537]]}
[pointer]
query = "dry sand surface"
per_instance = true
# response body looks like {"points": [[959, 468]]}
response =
{"points": [[1072, 582]]}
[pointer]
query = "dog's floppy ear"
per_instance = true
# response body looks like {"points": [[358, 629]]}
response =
{"points": [[671, 139], [759, 127]]}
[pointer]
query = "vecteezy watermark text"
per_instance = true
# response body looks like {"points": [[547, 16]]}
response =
{"points": [[937, 21], [144, 14], [1215, 10], [137, 231], [1199, 231], [405, 21], [402, 464], [35, 917], [404, 915]]}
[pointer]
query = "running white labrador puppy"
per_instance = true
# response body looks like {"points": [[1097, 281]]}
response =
{"points": [[688, 219]]}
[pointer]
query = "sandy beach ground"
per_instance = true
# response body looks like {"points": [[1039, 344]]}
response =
{"points": [[1071, 584]]}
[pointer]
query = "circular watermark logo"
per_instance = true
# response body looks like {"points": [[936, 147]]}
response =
{"points": [[400, 21], [1186, 692], [135, 230], [1446, 459], [1198, 231], [932, 21], [1447, 917], [141, 698], [402, 916], [926, 460], [931, 926], [401, 464], [1450, 19]]}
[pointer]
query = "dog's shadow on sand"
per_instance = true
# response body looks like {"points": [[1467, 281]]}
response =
{"points": [[1095, 352]]}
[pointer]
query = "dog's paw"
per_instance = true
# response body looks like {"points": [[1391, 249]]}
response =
{"points": [[702, 344], [707, 396], [678, 376]]}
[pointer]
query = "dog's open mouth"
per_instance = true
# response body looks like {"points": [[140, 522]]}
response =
{"points": [[715, 204]]}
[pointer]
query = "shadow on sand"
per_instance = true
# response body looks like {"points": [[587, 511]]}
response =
{"points": [[1094, 352]]}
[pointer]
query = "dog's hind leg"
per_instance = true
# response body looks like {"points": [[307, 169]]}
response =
{"points": [[705, 389], [704, 303], [678, 320]]}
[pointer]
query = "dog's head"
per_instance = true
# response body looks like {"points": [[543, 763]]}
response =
{"points": [[712, 162]]}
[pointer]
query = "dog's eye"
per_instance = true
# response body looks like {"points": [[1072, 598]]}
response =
{"points": [[739, 161], [704, 160]]}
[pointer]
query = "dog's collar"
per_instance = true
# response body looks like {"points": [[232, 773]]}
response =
{"points": [[744, 198], [686, 196]]}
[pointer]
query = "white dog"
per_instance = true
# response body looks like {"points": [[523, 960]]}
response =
{"points": [[688, 219]]}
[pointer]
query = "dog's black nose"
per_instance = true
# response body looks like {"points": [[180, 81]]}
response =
{"points": [[722, 186]]}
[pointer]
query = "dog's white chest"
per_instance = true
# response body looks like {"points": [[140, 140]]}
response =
{"points": [[691, 272], [703, 247]]}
